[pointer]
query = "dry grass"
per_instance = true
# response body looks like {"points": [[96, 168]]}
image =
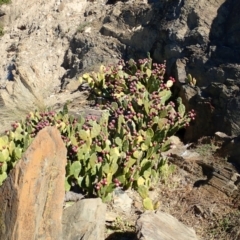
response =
{"points": [[10, 115]]}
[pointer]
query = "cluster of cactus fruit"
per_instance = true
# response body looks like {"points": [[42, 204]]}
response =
{"points": [[121, 149]]}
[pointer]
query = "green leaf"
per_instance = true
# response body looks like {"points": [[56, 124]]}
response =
{"points": [[87, 181], [163, 113], [144, 162], [144, 147], [122, 179], [67, 185], [150, 133], [140, 181], [149, 72], [4, 167], [113, 168], [166, 146], [143, 191], [147, 141], [147, 204], [80, 180], [118, 141], [114, 106], [96, 129], [3, 176], [125, 146], [114, 153], [150, 152], [137, 154], [4, 155], [75, 169], [3, 141], [81, 121], [146, 107], [93, 159], [140, 102], [130, 162], [162, 122], [120, 121], [106, 168], [107, 198], [73, 140], [165, 95], [84, 135], [156, 205], [147, 173], [181, 107], [18, 152]]}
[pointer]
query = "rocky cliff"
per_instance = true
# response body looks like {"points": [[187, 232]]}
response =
{"points": [[47, 44]]}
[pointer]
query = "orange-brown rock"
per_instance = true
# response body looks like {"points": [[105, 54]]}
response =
{"points": [[31, 198]]}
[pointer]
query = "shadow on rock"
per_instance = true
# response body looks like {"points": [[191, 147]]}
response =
{"points": [[122, 236]]}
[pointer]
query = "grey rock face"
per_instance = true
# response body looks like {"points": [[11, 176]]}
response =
{"points": [[84, 220], [193, 37], [53, 42], [162, 226], [122, 201]]}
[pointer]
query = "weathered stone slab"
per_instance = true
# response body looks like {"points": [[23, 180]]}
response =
{"points": [[32, 196], [84, 220], [121, 201], [162, 226]]}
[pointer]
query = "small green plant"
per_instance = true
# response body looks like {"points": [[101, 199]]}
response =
{"points": [[122, 225], [206, 150], [191, 80], [82, 26], [224, 226], [1, 30], [4, 2]]}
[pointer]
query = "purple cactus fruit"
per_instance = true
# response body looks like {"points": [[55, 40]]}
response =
{"points": [[97, 187]]}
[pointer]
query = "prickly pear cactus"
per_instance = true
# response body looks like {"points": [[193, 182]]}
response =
{"points": [[122, 149], [141, 120]]}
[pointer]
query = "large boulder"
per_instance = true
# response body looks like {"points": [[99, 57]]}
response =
{"points": [[32, 196], [162, 226], [84, 220]]}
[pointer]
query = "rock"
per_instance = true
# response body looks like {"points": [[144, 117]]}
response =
{"points": [[222, 136], [52, 44], [221, 139], [228, 147], [231, 149], [182, 152], [191, 38], [175, 141], [32, 195], [224, 179], [162, 226], [111, 216], [2, 13], [84, 220], [122, 201], [73, 197]]}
